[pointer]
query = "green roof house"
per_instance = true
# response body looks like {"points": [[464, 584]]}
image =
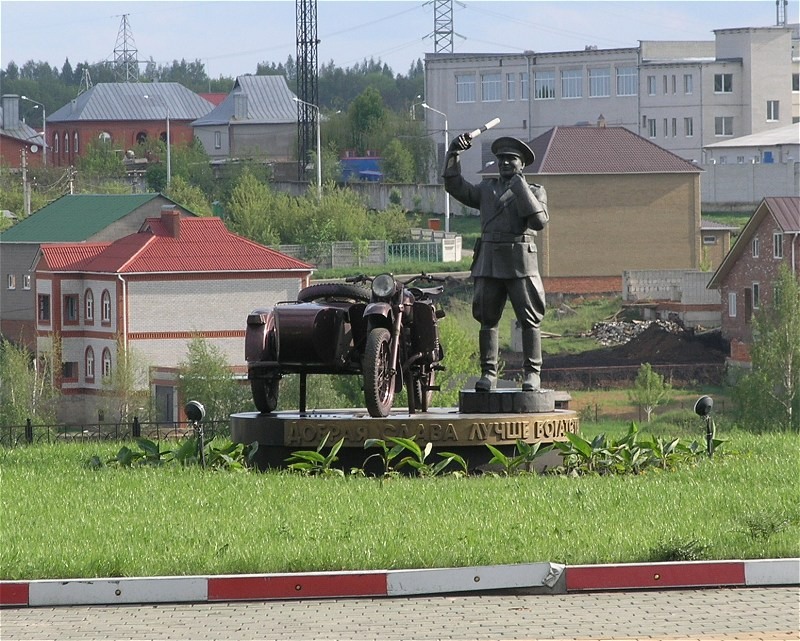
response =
{"points": [[83, 218]]}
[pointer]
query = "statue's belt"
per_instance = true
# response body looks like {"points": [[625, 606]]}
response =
{"points": [[501, 237]]}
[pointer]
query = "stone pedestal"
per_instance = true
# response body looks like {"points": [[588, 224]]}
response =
{"points": [[449, 429], [501, 401]]}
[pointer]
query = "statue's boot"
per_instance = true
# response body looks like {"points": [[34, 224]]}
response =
{"points": [[531, 358], [487, 346]]}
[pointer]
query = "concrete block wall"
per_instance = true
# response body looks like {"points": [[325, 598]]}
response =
{"points": [[677, 285]]}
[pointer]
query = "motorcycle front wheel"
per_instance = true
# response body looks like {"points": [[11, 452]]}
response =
{"points": [[421, 385], [378, 377]]}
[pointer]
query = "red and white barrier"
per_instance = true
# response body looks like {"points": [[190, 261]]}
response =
{"points": [[551, 577]]}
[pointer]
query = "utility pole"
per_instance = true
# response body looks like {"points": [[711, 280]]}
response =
{"points": [[26, 188]]}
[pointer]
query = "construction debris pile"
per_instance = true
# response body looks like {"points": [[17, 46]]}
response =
{"points": [[611, 333]]}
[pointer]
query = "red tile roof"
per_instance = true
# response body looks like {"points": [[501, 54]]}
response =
{"points": [[202, 245], [602, 150]]}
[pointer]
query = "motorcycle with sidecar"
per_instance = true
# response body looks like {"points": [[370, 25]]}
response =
{"points": [[387, 333]]}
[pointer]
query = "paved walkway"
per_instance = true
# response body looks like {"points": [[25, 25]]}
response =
{"points": [[745, 614]]}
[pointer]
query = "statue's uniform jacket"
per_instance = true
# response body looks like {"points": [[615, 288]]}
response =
{"points": [[511, 213]]}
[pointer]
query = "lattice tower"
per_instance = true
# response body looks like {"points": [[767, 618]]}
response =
{"points": [[307, 82], [126, 63], [443, 26]]}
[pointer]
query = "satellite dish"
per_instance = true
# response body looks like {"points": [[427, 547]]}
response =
{"points": [[34, 148]]}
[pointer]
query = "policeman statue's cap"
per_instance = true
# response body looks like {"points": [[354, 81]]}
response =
{"points": [[514, 147]]}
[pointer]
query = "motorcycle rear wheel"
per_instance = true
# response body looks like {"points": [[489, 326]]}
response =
{"points": [[378, 378], [265, 394]]}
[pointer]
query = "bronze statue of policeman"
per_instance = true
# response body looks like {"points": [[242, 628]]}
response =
{"points": [[505, 263]]}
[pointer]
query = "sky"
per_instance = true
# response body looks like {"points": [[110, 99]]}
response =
{"points": [[232, 37]]}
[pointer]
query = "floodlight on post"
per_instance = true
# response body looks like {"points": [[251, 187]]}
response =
{"points": [[703, 408], [44, 127], [319, 145], [425, 105], [195, 412]]}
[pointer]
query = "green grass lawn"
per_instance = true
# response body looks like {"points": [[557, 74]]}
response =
{"points": [[62, 519]]}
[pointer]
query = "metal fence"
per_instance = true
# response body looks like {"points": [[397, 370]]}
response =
{"points": [[16, 435]]}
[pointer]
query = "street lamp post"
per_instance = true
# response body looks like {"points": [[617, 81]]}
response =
{"points": [[44, 127], [169, 158], [319, 145], [425, 105]]}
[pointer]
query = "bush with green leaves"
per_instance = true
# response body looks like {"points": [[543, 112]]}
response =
{"points": [[631, 454], [217, 455]]}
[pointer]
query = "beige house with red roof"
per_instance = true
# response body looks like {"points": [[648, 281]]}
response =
{"points": [[745, 277], [176, 278], [617, 202]]}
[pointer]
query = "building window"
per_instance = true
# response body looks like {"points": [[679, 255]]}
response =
{"points": [[674, 127], [732, 304], [69, 371], [511, 86], [777, 245], [796, 82], [651, 127], [666, 90], [12, 281], [104, 136], [544, 85], [627, 79], [71, 309], [756, 296], [600, 83], [755, 247], [26, 281], [723, 126], [773, 110], [217, 140], [75, 142], [688, 83], [106, 363], [88, 298], [572, 83], [43, 306], [709, 240], [674, 84], [89, 364], [55, 142], [723, 83], [524, 86], [491, 87], [651, 85], [66, 142], [666, 128], [465, 88], [688, 127], [105, 307]]}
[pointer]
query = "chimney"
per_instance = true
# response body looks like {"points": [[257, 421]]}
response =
{"points": [[601, 121], [240, 106], [171, 219], [10, 111]]}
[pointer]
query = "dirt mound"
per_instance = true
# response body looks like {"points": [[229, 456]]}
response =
{"points": [[654, 345]]}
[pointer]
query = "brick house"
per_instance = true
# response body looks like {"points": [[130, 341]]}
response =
{"points": [[770, 238], [79, 218], [617, 202], [258, 119], [16, 136], [124, 114], [156, 289]]}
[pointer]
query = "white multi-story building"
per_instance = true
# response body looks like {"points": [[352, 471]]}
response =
{"points": [[681, 95]]}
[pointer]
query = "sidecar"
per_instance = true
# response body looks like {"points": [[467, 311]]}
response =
{"points": [[323, 332]]}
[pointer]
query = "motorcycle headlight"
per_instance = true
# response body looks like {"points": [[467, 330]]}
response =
{"points": [[383, 286]]}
